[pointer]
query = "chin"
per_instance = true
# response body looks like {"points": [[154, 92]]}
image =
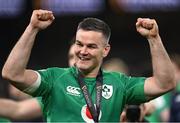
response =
{"points": [[82, 67]]}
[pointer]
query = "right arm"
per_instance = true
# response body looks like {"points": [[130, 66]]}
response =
{"points": [[15, 66], [22, 110]]}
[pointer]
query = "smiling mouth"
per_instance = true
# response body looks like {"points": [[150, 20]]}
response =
{"points": [[83, 58]]}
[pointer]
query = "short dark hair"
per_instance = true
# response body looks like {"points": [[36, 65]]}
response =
{"points": [[94, 24]]}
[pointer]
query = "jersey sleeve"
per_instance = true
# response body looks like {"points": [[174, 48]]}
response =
{"points": [[134, 90], [47, 79]]}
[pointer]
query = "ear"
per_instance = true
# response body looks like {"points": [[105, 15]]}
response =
{"points": [[106, 50]]}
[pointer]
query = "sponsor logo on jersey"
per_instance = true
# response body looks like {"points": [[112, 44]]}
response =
{"points": [[107, 91], [73, 90], [86, 115]]}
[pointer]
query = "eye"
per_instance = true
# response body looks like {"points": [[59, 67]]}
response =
{"points": [[79, 44], [92, 46]]}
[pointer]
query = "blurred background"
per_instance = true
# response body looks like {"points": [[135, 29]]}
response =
{"points": [[51, 46]]}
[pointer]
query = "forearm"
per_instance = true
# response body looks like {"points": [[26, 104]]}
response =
{"points": [[17, 61], [15, 66], [163, 71], [22, 110], [28, 109], [7, 108]]}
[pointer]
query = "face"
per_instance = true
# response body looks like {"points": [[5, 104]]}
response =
{"points": [[90, 49], [71, 56]]}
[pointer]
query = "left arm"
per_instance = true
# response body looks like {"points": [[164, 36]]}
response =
{"points": [[22, 110], [163, 79]]}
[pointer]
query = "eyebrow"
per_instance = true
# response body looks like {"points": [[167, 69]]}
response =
{"points": [[78, 41]]}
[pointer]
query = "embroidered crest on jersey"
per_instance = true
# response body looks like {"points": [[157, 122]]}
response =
{"points": [[86, 115], [73, 90], [107, 91]]}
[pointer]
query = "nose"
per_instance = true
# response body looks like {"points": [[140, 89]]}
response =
{"points": [[84, 50]]}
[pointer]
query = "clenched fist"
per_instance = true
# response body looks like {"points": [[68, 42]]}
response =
{"points": [[147, 27], [41, 19]]}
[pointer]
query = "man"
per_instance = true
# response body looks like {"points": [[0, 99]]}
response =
{"points": [[69, 94], [71, 56], [116, 65]]}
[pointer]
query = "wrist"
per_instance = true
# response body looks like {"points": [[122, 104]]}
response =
{"points": [[154, 38], [31, 28]]}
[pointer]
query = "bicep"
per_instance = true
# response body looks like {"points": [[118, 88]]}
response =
{"points": [[26, 80], [151, 89]]}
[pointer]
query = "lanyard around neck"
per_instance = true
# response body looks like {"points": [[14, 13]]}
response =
{"points": [[95, 111]]}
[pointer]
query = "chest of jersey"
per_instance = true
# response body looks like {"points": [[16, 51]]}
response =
{"points": [[68, 102]]}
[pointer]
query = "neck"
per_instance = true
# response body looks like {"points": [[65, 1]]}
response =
{"points": [[91, 74]]}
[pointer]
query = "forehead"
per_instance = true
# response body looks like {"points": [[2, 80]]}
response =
{"points": [[89, 36]]}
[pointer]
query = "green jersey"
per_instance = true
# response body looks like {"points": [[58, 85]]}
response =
{"points": [[4, 120], [64, 101]]}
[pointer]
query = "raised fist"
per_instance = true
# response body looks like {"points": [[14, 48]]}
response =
{"points": [[41, 19], [147, 27]]}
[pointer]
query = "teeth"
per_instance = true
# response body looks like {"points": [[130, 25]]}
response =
{"points": [[82, 58]]}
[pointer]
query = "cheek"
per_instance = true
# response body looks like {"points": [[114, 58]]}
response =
{"points": [[75, 48], [75, 52], [99, 56]]}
